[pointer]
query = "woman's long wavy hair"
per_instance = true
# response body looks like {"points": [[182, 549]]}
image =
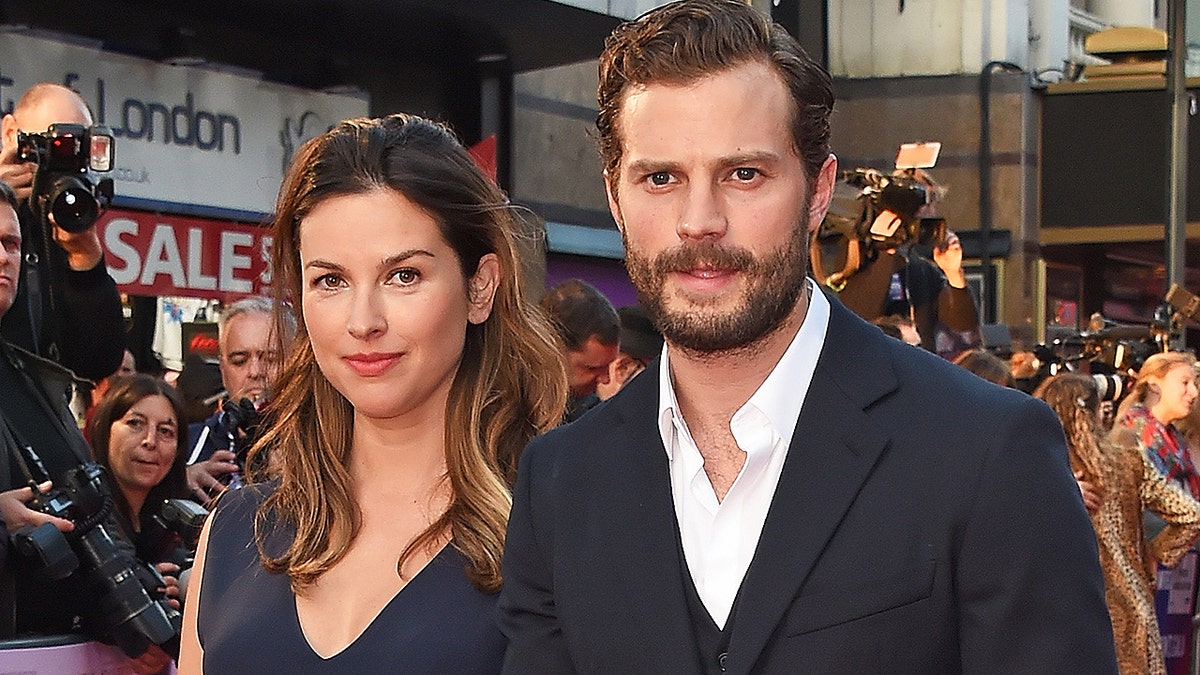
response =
{"points": [[1074, 398], [510, 384], [124, 393], [1152, 371]]}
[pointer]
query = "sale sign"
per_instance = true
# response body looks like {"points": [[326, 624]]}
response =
{"points": [[158, 254]]}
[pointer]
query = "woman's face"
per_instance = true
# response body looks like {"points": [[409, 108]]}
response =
{"points": [[1176, 393], [142, 444], [385, 302]]}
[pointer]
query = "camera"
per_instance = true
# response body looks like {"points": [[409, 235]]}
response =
{"points": [[884, 214], [64, 154], [184, 518], [891, 204], [117, 593]]}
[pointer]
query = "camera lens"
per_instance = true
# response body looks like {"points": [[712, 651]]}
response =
{"points": [[72, 204], [1109, 387]]}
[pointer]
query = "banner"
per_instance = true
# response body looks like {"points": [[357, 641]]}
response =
{"points": [[156, 254], [210, 139]]}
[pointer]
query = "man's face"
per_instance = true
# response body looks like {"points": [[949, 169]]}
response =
{"points": [[10, 256], [588, 366], [249, 361], [713, 205]]}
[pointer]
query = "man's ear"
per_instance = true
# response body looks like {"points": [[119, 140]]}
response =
{"points": [[8, 132], [822, 193], [613, 206], [481, 288]]}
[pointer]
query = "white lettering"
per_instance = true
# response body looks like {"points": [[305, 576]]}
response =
{"points": [[122, 251], [231, 261], [196, 278], [162, 257]]}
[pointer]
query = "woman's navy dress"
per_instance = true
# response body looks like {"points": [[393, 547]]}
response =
{"points": [[247, 621]]}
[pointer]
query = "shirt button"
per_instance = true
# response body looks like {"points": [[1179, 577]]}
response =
{"points": [[721, 660]]}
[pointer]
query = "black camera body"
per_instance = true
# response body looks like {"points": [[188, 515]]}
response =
{"points": [[118, 594], [901, 194], [64, 154]]}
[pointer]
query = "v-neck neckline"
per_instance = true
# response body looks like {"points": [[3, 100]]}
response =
{"points": [[367, 627]]}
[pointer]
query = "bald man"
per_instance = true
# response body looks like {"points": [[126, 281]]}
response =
{"points": [[67, 308]]}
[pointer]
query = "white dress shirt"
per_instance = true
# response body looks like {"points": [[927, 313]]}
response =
{"points": [[719, 537]]}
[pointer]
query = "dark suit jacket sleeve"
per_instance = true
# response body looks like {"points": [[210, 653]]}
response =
{"points": [[1031, 593], [527, 613]]}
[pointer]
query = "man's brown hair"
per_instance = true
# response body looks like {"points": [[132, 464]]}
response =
{"points": [[685, 41]]}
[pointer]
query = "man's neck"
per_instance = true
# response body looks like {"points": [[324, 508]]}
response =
{"points": [[709, 384]]}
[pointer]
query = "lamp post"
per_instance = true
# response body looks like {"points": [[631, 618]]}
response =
{"points": [[985, 183], [1177, 151]]}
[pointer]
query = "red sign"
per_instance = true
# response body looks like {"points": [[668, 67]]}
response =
{"points": [[153, 254]]}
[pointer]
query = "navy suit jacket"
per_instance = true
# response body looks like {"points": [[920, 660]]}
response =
{"points": [[926, 521]]}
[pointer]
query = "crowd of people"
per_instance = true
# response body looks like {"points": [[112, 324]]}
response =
{"points": [[418, 467]]}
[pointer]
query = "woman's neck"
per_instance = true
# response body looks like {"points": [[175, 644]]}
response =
{"points": [[136, 497], [399, 453]]}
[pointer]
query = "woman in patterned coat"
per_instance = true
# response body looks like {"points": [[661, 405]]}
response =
{"points": [[1127, 483]]}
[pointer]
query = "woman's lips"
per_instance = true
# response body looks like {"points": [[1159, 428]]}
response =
{"points": [[372, 365]]}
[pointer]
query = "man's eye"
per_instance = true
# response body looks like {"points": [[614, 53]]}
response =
{"points": [[660, 178], [745, 173]]}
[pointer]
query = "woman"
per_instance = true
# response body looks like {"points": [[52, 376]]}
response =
{"points": [[1128, 484], [1163, 395], [417, 375], [135, 434]]}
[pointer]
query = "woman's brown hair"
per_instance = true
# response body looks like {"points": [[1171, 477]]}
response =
{"points": [[510, 384], [1074, 398]]}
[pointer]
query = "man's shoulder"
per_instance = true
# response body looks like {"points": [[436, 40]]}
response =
{"points": [[605, 428]]}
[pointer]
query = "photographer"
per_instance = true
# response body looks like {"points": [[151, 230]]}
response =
{"points": [[68, 308], [918, 274], [36, 423], [249, 362]]}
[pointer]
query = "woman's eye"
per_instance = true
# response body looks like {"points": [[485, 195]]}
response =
{"points": [[328, 281], [406, 276], [133, 423]]}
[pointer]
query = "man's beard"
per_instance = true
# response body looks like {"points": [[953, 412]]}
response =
{"points": [[773, 286]]}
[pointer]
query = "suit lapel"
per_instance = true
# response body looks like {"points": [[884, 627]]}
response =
{"points": [[646, 534], [834, 449]]}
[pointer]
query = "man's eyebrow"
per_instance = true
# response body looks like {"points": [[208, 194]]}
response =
{"points": [[646, 166]]}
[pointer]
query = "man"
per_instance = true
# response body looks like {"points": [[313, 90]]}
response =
{"points": [[67, 308], [588, 331], [249, 362], [34, 414], [788, 490], [640, 343]]}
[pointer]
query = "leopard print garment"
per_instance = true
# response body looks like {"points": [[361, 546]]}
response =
{"points": [[1131, 485]]}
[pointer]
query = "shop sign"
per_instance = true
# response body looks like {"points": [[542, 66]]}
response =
{"points": [[204, 137], [155, 254]]}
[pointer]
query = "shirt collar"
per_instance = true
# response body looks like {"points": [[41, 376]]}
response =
{"points": [[781, 396]]}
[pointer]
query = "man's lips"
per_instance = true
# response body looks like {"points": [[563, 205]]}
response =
{"points": [[373, 364]]}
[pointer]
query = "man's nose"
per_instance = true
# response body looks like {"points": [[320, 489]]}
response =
{"points": [[703, 216]]}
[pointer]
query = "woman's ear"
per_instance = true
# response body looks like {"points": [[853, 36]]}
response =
{"points": [[481, 288]]}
